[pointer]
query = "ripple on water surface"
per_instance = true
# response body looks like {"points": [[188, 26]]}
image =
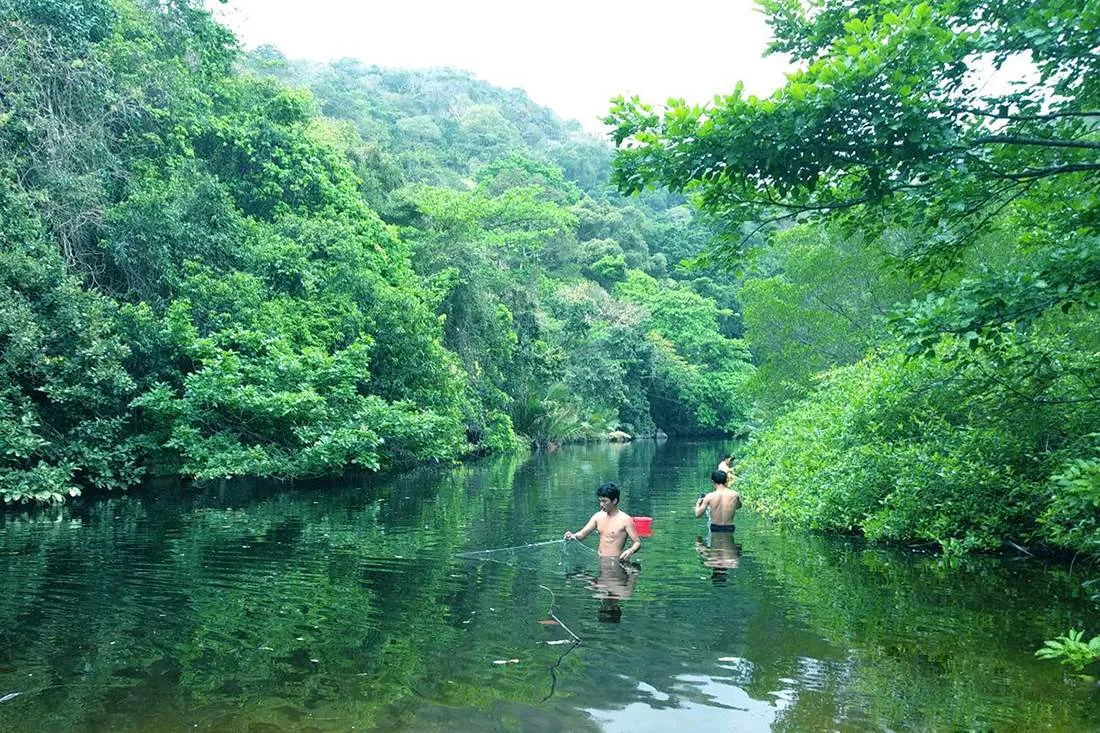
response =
{"points": [[444, 600]]}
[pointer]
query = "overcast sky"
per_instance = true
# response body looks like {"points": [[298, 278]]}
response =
{"points": [[569, 55]]}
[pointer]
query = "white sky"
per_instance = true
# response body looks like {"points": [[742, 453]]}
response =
{"points": [[569, 55]]}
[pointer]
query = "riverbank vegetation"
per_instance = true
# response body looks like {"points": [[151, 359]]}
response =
{"points": [[916, 214], [220, 263], [215, 264]]}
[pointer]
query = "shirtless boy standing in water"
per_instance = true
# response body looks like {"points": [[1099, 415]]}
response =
{"points": [[726, 465], [614, 526], [723, 503]]}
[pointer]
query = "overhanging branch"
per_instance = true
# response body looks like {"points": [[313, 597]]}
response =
{"points": [[1044, 142], [1056, 170]]}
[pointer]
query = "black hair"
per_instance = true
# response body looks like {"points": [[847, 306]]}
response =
{"points": [[724, 457], [610, 490], [718, 476]]}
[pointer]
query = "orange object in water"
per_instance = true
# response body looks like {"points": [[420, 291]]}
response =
{"points": [[642, 524]]}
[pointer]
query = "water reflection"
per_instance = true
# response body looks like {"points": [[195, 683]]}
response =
{"points": [[693, 702], [612, 582], [337, 606], [720, 553]]}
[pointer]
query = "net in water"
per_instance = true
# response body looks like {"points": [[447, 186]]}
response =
{"points": [[552, 556]]}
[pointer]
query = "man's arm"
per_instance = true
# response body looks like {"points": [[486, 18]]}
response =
{"points": [[701, 505], [632, 533], [737, 500], [584, 531]]}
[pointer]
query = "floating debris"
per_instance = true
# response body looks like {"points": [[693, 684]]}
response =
{"points": [[506, 661]]}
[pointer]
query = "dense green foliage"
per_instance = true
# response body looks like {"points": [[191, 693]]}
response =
{"points": [[915, 214], [224, 264]]}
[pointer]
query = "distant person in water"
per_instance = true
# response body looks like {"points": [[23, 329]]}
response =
{"points": [[723, 503], [725, 464], [613, 524]]}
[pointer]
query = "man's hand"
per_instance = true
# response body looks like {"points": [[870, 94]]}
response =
{"points": [[625, 555], [700, 505], [570, 536]]}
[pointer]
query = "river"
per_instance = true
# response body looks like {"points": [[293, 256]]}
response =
{"points": [[372, 605]]}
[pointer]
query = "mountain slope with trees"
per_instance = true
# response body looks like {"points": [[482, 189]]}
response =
{"points": [[220, 264]]}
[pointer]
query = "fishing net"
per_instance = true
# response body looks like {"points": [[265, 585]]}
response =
{"points": [[552, 559], [552, 556]]}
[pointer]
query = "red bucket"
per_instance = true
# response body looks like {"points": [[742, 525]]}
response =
{"points": [[643, 525]]}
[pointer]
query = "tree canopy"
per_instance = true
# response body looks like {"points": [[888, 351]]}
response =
{"points": [[923, 185], [943, 119]]}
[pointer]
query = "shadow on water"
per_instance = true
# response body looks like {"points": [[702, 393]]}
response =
{"points": [[374, 606]]}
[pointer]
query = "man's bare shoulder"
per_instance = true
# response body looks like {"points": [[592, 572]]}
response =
{"points": [[621, 519]]}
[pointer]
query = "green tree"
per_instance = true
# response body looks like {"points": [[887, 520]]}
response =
{"points": [[606, 360], [477, 253], [699, 373], [63, 387], [910, 129], [891, 124], [812, 302]]}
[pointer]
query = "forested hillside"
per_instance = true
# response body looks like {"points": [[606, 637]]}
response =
{"points": [[217, 264]]}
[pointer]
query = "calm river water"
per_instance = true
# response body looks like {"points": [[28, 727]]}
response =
{"points": [[358, 606]]}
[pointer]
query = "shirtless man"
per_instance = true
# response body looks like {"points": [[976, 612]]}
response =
{"points": [[723, 503], [614, 526], [726, 465]]}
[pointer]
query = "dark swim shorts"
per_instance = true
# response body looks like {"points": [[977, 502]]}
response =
{"points": [[721, 528]]}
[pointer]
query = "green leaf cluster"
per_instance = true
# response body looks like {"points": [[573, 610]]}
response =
{"points": [[1071, 650]]}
